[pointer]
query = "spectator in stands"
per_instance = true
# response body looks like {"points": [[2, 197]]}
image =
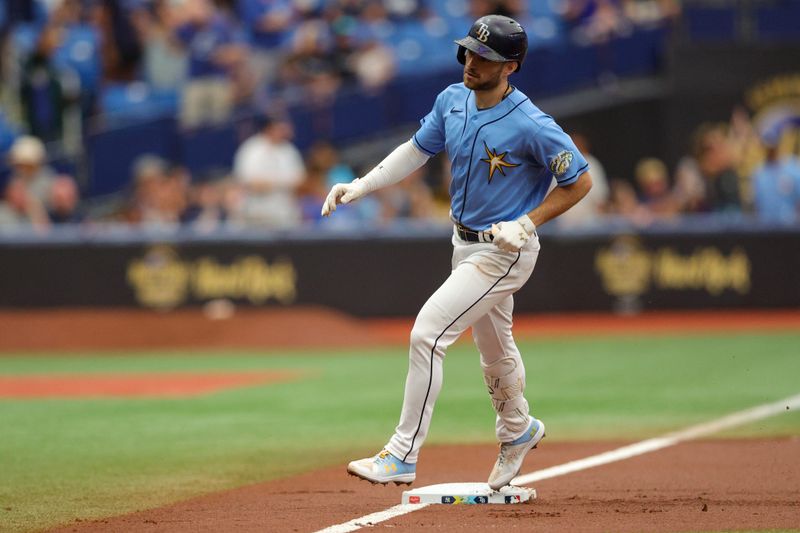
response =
{"points": [[594, 204], [323, 171], [81, 53], [121, 45], [269, 24], [624, 203], [776, 184], [344, 46], [370, 62], [374, 66], [173, 194], [27, 158], [216, 49], [63, 201], [715, 161], [20, 209], [652, 178], [205, 211], [43, 94], [410, 198], [152, 203], [689, 189], [269, 168], [232, 201], [309, 71], [165, 62], [737, 143], [594, 21], [324, 54], [748, 151]]}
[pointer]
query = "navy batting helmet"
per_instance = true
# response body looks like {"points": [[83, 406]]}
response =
{"points": [[496, 38]]}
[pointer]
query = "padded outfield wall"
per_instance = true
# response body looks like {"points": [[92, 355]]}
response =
{"points": [[392, 274]]}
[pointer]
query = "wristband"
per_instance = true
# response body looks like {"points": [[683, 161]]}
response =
{"points": [[527, 224]]}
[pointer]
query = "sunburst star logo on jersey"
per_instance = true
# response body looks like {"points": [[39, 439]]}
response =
{"points": [[496, 161]]}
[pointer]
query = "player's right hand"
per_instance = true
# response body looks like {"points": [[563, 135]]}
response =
{"points": [[511, 236], [343, 193]]}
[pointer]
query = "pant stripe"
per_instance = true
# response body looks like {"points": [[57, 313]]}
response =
{"points": [[433, 350]]}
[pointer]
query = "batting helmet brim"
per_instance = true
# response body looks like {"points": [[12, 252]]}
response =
{"points": [[475, 46]]}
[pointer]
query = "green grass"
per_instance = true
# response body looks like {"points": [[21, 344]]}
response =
{"points": [[62, 459]]}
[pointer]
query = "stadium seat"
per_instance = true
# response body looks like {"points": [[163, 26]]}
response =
{"points": [[421, 48], [710, 23], [135, 102], [780, 22]]}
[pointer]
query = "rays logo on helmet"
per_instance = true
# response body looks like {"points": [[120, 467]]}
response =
{"points": [[561, 162], [483, 33]]}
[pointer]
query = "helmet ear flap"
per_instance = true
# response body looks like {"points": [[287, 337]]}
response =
{"points": [[461, 55]]}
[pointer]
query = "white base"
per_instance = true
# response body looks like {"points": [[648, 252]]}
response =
{"points": [[468, 493]]}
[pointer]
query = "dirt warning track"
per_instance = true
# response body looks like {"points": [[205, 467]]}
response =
{"points": [[67, 330]]}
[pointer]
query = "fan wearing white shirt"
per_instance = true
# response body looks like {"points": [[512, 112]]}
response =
{"points": [[270, 169]]}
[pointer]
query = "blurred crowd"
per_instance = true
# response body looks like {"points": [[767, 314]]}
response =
{"points": [[730, 169], [64, 61], [270, 186]]}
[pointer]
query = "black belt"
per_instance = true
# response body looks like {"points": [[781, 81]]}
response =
{"points": [[473, 235]]}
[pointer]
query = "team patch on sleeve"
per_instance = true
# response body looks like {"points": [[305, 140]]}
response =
{"points": [[560, 163]]}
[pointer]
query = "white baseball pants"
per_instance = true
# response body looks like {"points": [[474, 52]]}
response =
{"points": [[478, 293]]}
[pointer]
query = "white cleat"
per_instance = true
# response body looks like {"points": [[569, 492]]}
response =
{"points": [[509, 460], [383, 468]]}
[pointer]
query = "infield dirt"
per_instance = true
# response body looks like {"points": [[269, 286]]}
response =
{"points": [[718, 485]]}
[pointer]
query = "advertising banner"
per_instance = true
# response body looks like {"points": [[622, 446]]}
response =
{"points": [[386, 277]]}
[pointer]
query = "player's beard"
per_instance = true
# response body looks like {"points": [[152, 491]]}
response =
{"points": [[487, 84]]}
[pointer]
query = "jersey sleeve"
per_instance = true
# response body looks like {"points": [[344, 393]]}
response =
{"points": [[430, 136], [555, 151]]}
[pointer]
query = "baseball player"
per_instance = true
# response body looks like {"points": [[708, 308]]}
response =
{"points": [[504, 154]]}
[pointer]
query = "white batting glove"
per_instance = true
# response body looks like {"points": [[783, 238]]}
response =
{"points": [[511, 236], [343, 193]]}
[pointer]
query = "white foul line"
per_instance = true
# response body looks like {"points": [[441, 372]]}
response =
{"points": [[626, 452], [374, 518], [651, 445]]}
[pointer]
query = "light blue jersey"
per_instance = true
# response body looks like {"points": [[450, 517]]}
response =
{"points": [[503, 159], [776, 188]]}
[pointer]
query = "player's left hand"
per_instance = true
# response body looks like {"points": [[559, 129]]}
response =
{"points": [[512, 235]]}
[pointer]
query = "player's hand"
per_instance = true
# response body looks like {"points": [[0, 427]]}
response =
{"points": [[512, 235], [343, 193]]}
